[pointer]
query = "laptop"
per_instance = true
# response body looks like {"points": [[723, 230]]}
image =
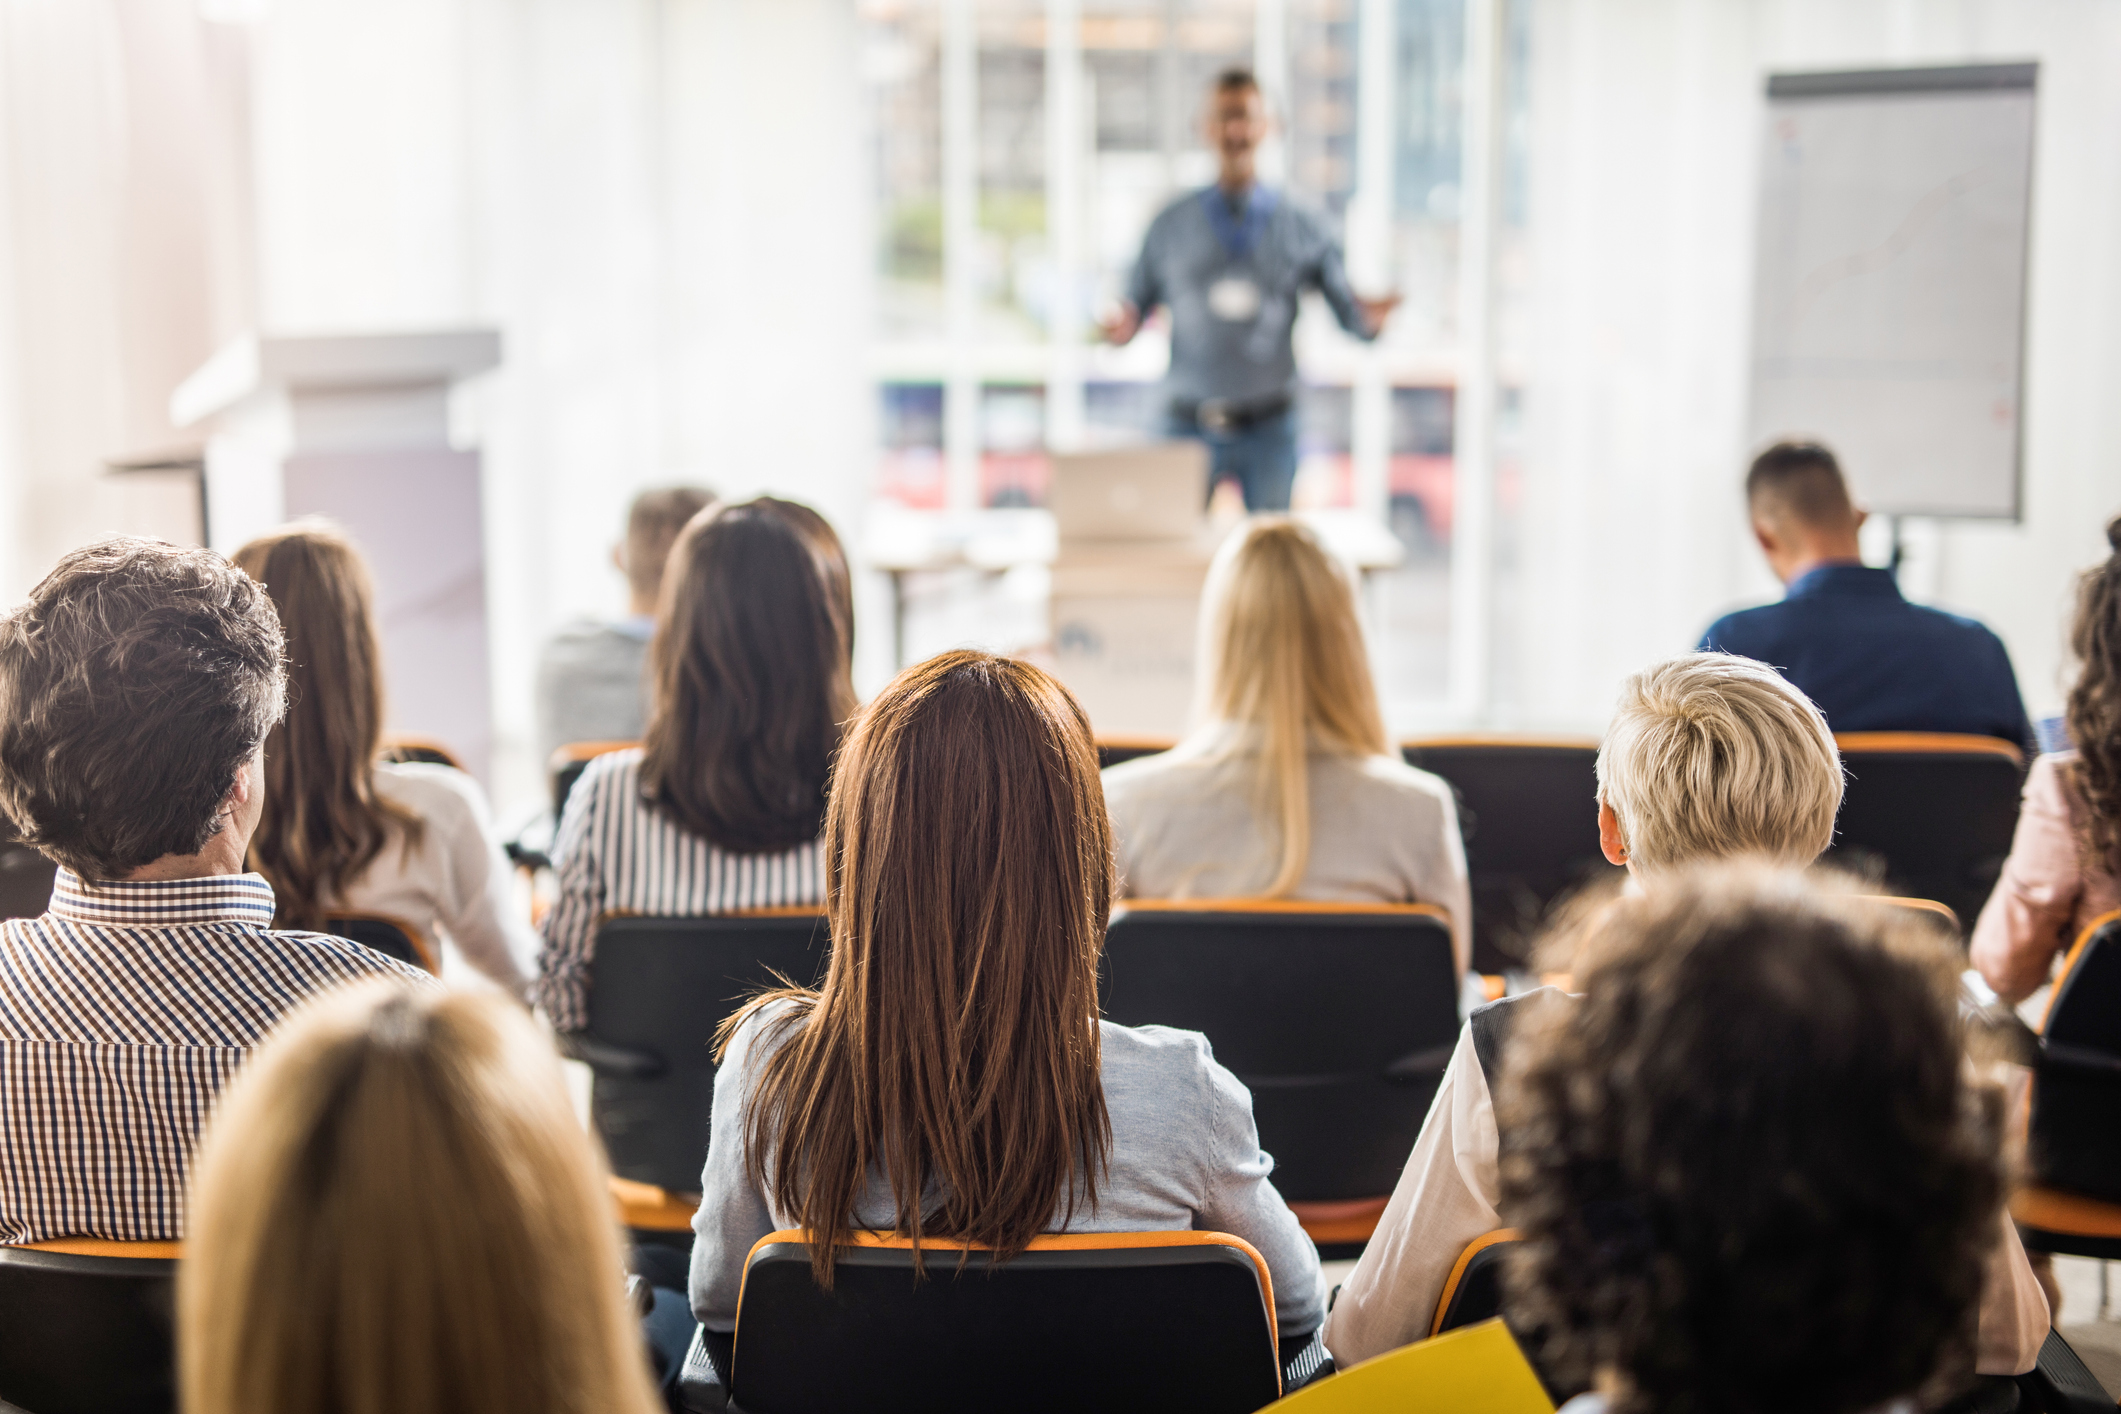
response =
{"points": [[1156, 491]]}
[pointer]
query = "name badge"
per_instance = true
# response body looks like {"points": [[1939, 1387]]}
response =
{"points": [[1234, 299]]}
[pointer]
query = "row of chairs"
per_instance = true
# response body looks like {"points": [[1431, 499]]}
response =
{"points": [[1120, 1321], [1926, 814], [88, 1321]]}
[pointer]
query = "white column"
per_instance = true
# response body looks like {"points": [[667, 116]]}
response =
{"points": [[1370, 263], [1473, 439], [1270, 65], [960, 80], [1065, 142]]}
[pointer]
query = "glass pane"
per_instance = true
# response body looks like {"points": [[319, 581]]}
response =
{"points": [[910, 464], [1013, 466], [902, 65], [1014, 264]]}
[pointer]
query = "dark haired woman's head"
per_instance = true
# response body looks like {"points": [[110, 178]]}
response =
{"points": [[2094, 710], [323, 822], [751, 676], [1750, 1169], [954, 1042]]}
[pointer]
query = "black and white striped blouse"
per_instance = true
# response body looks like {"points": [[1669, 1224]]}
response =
{"points": [[616, 853], [123, 1011]]}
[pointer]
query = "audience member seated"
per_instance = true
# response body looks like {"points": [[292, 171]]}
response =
{"points": [[137, 686], [591, 674], [2066, 856], [719, 809], [397, 1208], [1288, 787], [1750, 1167], [1708, 757], [951, 1080], [342, 832], [1843, 633]]}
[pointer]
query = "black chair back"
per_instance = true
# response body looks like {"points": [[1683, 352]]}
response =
{"points": [[567, 764], [1340, 1019], [1180, 1324], [419, 750], [25, 880], [1928, 814], [658, 989], [87, 1334], [1528, 808], [389, 936], [2075, 1140]]}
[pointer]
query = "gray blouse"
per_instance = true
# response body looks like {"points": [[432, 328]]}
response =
{"points": [[1185, 1154]]}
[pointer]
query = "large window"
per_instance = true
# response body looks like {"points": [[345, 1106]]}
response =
{"points": [[1022, 147]]}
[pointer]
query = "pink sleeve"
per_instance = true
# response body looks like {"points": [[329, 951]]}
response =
{"points": [[2028, 917]]}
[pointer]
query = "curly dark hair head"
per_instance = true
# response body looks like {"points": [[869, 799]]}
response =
{"points": [[134, 684], [1748, 1165], [2094, 711]]}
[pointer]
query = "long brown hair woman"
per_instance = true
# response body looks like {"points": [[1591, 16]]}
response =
{"points": [[2065, 862], [719, 808], [951, 1080], [342, 832], [395, 1211]]}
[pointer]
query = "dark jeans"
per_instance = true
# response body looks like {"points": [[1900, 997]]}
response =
{"points": [[1260, 458]]}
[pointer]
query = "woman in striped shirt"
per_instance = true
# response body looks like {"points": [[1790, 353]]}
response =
{"points": [[719, 808]]}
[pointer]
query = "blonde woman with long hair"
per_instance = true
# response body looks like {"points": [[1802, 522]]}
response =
{"points": [[1287, 786], [395, 1211]]}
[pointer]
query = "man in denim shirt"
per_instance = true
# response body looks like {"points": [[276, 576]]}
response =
{"points": [[1844, 635], [1230, 263]]}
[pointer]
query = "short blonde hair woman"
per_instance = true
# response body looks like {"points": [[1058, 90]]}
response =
{"points": [[1287, 786], [395, 1209], [1711, 756]]}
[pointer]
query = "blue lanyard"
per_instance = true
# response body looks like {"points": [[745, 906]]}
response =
{"points": [[1239, 239]]}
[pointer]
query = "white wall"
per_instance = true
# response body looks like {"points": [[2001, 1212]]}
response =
{"points": [[1646, 118], [662, 204]]}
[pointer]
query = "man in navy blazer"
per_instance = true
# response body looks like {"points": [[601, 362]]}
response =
{"points": [[1844, 635]]}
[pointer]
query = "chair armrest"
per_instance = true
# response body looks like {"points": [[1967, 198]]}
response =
{"points": [[605, 1058], [700, 1387]]}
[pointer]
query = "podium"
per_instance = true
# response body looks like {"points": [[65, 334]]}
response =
{"points": [[355, 428]]}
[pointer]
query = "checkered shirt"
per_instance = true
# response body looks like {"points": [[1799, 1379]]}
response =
{"points": [[123, 1011]]}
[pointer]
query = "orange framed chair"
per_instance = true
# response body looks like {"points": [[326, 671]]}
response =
{"points": [[1930, 814], [1149, 1321], [391, 936], [2073, 1142], [421, 749], [88, 1326], [1528, 809], [1111, 750], [566, 764], [1339, 1017], [659, 988]]}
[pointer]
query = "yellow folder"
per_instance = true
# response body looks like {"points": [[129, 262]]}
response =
{"points": [[1476, 1370]]}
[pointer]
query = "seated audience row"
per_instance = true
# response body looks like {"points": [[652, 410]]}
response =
{"points": [[951, 1077]]}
